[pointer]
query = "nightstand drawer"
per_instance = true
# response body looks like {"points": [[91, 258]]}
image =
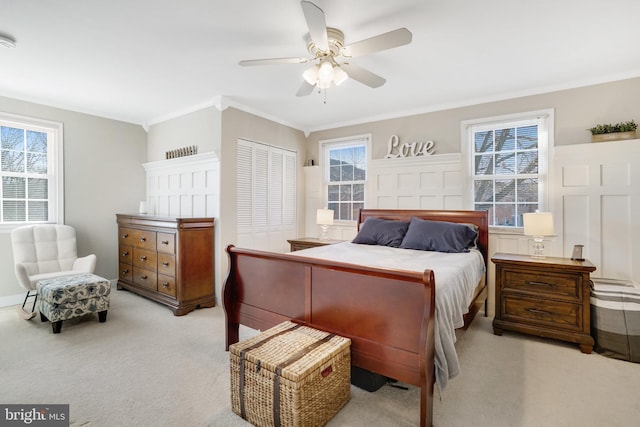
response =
{"points": [[542, 312], [557, 285]]}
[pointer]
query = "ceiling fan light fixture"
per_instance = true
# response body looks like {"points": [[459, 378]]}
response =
{"points": [[311, 75], [339, 75], [323, 84], [326, 71]]}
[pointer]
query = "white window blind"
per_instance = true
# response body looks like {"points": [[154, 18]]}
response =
{"points": [[345, 174], [266, 196], [30, 170], [509, 164]]}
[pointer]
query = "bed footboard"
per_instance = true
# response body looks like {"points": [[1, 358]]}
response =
{"points": [[388, 315]]}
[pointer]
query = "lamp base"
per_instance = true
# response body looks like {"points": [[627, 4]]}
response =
{"points": [[324, 232], [538, 248]]}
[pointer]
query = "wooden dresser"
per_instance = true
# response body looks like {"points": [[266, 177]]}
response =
{"points": [[168, 260], [547, 297]]}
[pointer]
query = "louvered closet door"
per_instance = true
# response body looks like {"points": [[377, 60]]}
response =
{"points": [[266, 198]]}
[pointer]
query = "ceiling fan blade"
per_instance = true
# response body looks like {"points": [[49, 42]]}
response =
{"points": [[365, 77], [316, 23], [395, 38], [305, 89], [271, 61]]}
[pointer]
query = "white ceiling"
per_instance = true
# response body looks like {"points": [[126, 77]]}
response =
{"points": [[143, 61]]}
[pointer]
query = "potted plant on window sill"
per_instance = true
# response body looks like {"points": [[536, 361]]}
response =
{"points": [[609, 132]]}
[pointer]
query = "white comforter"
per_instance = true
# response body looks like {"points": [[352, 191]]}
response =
{"points": [[456, 276]]}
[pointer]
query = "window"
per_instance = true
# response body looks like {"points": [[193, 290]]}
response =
{"points": [[345, 173], [509, 166], [31, 170]]}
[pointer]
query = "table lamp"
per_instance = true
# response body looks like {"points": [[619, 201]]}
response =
{"points": [[324, 218], [538, 225]]}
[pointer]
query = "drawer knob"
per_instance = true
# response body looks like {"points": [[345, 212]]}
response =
{"points": [[143, 239], [165, 264], [165, 284], [125, 271], [144, 277], [143, 258], [125, 253], [165, 242], [124, 236]]}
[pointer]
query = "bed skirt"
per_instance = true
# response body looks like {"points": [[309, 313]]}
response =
{"points": [[615, 319]]}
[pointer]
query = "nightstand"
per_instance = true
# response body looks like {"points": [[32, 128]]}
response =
{"points": [[309, 242], [547, 297]]}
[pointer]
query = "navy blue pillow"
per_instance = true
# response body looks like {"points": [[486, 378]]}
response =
{"points": [[382, 232], [440, 236]]}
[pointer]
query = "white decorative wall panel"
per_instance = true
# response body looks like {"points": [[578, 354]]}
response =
{"points": [[616, 245], [431, 182], [576, 219], [598, 199], [184, 187]]}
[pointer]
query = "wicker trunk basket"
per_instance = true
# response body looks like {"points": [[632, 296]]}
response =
{"points": [[290, 375]]}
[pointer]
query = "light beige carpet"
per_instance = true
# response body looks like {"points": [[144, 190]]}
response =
{"points": [[145, 367]]}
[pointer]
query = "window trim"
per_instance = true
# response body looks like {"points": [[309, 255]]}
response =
{"points": [[545, 150], [56, 163], [326, 144]]}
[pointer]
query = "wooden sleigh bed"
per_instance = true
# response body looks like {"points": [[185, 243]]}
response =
{"points": [[387, 314]]}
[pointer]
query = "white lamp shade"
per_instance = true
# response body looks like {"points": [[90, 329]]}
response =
{"points": [[324, 217], [339, 76], [538, 224], [311, 75]]}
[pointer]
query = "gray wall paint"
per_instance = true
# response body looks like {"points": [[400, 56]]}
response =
{"points": [[103, 176], [239, 124], [201, 128], [576, 110]]}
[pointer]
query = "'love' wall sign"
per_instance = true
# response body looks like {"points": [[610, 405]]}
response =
{"points": [[396, 149]]}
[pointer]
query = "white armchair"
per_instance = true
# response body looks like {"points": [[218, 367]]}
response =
{"points": [[45, 251]]}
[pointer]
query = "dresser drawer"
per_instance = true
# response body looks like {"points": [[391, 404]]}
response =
{"points": [[166, 243], [145, 278], [125, 254], [167, 285], [557, 285], [542, 312], [126, 271], [144, 239], [125, 236], [167, 264], [145, 259]]}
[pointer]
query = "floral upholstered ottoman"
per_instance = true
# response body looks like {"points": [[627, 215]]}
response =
{"points": [[63, 298]]}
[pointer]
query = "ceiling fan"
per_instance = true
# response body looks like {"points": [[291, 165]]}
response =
{"points": [[330, 56]]}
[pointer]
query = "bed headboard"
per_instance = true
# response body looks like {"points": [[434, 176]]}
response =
{"points": [[479, 218]]}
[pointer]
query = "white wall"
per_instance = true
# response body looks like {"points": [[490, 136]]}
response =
{"points": [[103, 176]]}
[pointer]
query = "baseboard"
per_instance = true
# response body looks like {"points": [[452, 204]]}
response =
{"points": [[11, 300]]}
